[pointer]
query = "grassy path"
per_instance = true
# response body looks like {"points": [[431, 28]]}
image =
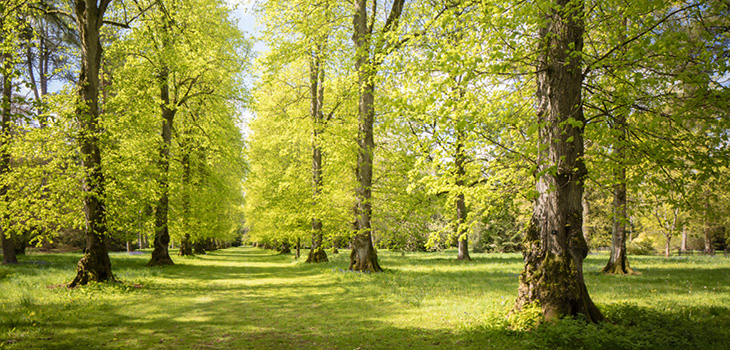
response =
{"points": [[243, 298]]}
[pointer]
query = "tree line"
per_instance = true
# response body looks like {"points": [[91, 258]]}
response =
{"points": [[121, 119], [542, 126], [539, 126]]}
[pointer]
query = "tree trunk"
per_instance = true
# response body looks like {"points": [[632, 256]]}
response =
{"points": [[285, 248], [618, 262], [186, 246], [586, 212], [298, 248], [95, 264], [461, 214], [364, 256], [316, 78], [683, 245], [709, 244], [161, 254], [554, 245], [199, 248], [667, 247], [6, 240]]}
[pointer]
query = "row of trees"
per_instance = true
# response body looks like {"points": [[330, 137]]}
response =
{"points": [[422, 123], [142, 136]]}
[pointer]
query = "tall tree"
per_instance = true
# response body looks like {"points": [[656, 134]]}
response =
{"points": [[316, 93], [554, 245], [9, 28], [95, 264], [369, 54]]}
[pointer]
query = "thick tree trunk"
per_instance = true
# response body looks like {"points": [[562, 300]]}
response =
{"points": [[618, 262], [554, 244], [161, 254], [95, 264], [668, 247], [316, 78], [6, 238], [364, 257]]}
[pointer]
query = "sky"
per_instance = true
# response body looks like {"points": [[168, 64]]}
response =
{"points": [[247, 24]]}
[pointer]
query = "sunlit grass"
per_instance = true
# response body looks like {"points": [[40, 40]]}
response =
{"points": [[249, 298]]}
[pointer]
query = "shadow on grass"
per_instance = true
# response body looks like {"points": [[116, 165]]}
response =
{"points": [[255, 299]]}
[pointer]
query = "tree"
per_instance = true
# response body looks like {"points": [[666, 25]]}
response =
{"points": [[193, 55], [370, 50], [554, 245], [10, 28], [95, 264]]}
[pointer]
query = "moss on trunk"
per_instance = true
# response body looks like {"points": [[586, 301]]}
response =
{"points": [[95, 265]]}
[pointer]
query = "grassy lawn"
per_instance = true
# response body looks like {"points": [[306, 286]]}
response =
{"points": [[246, 298]]}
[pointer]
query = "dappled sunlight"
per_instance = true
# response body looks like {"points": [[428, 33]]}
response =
{"points": [[251, 298]]}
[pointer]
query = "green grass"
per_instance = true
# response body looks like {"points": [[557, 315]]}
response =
{"points": [[246, 298]]}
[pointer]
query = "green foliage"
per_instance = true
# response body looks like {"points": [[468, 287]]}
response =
{"points": [[528, 318], [640, 247], [205, 73]]}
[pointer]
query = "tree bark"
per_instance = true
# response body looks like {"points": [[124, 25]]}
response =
{"points": [[7, 241], [316, 91], [554, 245], [364, 256], [186, 245], [95, 264], [618, 262], [461, 213], [161, 254]]}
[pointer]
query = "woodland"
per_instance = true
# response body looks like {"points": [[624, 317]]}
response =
{"points": [[399, 149]]}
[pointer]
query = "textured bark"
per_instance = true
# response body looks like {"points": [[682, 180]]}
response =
{"points": [[618, 262], [161, 253], [95, 264], [683, 245], [554, 245], [461, 213], [316, 91], [5, 135], [363, 256]]}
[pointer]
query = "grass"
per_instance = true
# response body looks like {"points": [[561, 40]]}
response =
{"points": [[246, 298]]}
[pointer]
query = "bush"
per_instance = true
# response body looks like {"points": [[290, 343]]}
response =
{"points": [[640, 247]]}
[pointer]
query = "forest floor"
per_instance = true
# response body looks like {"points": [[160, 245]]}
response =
{"points": [[247, 298]]}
